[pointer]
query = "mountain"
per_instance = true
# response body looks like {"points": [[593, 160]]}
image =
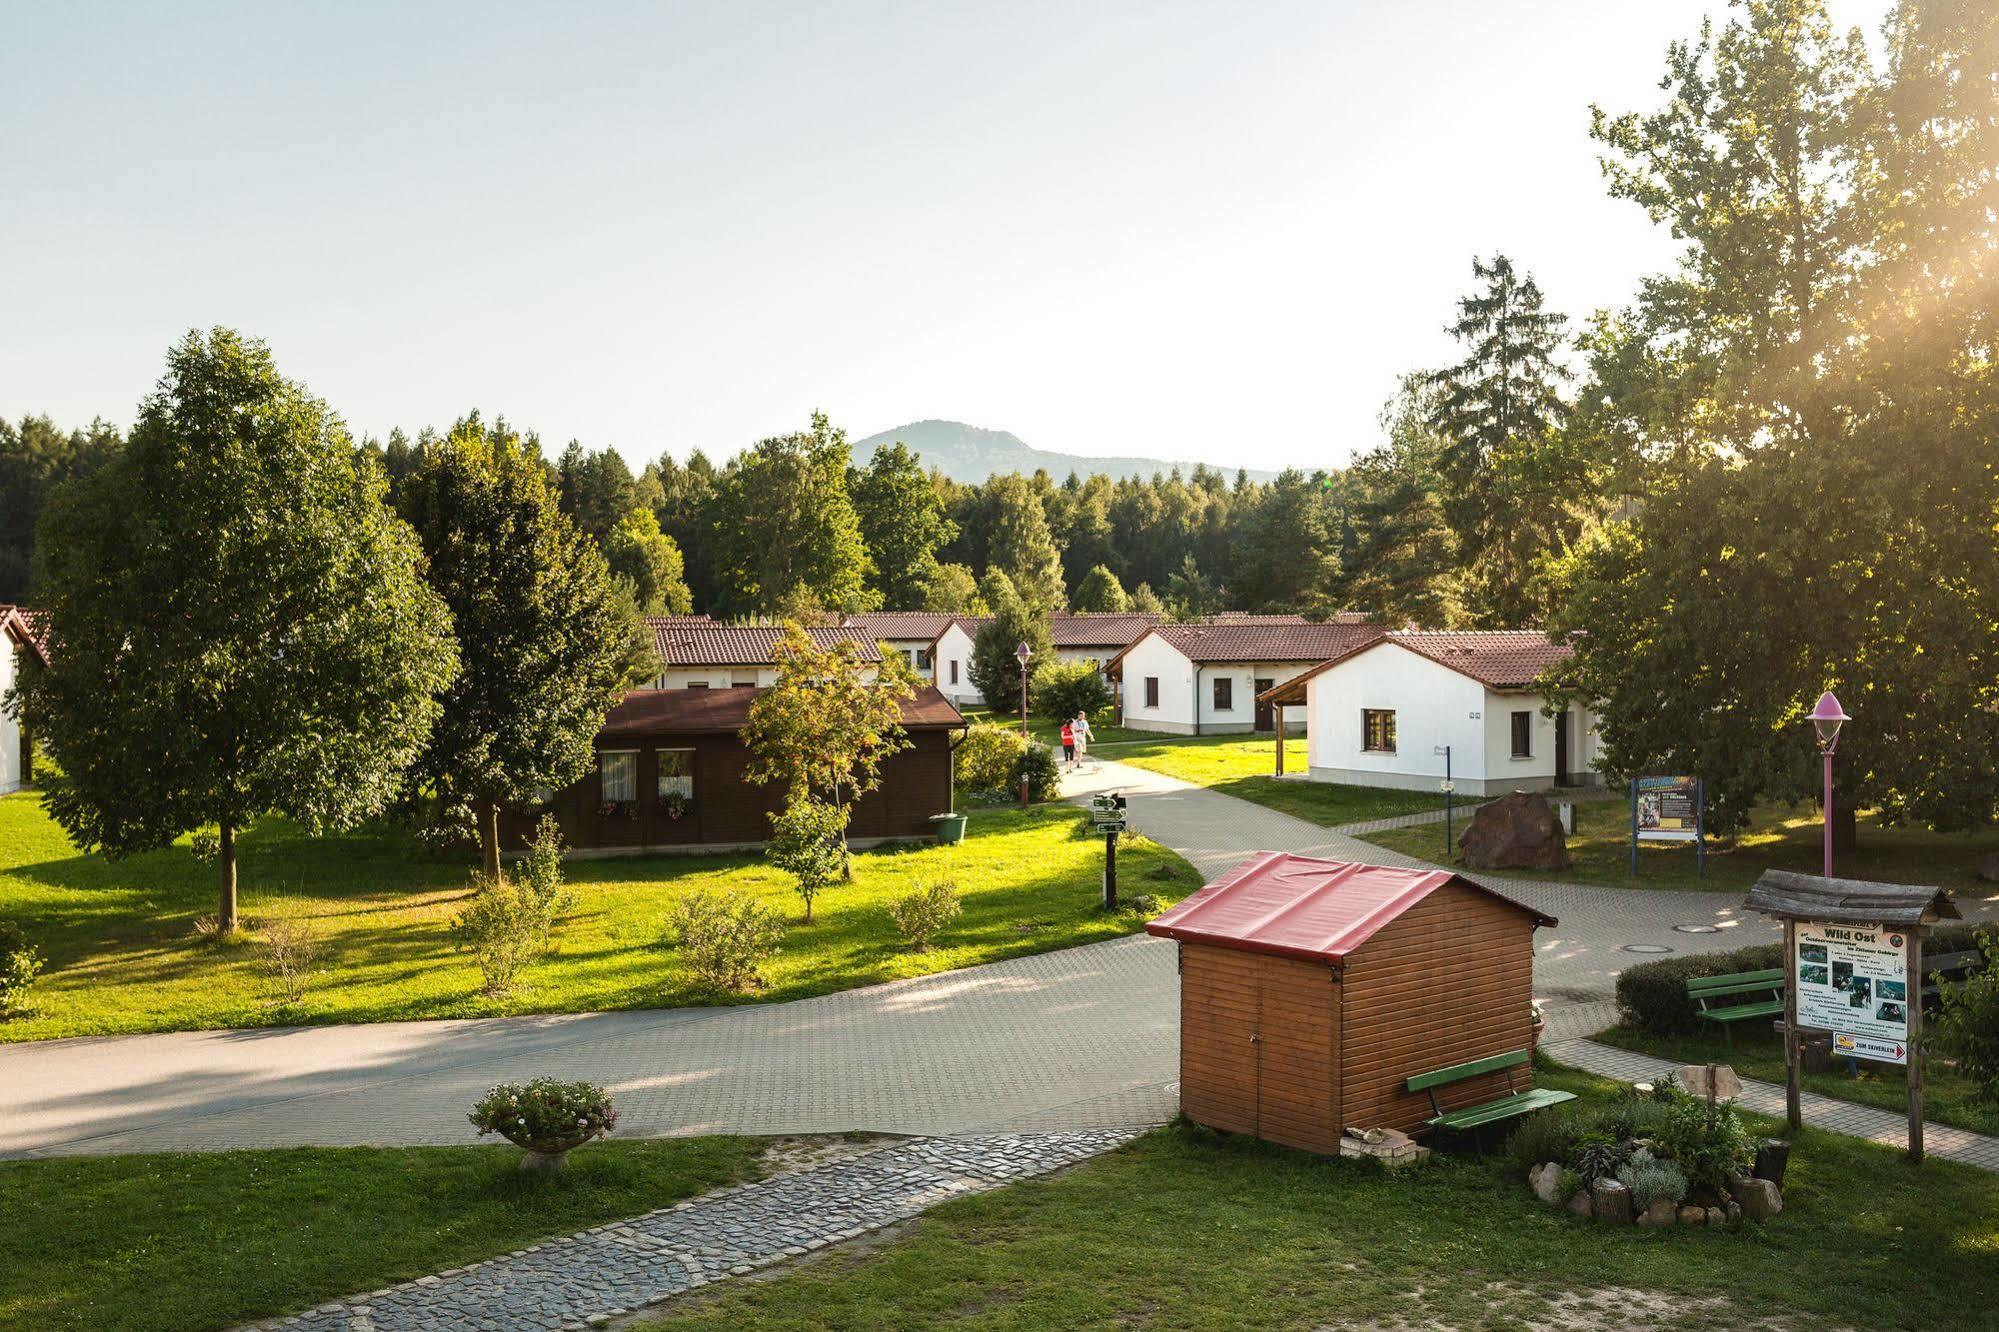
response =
{"points": [[968, 454]]}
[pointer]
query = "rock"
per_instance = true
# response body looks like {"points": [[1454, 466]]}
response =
{"points": [[1691, 1215], [1717, 1217], [1610, 1201], [1517, 831], [1693, 1081], [1987, 867], [1546, 1181], [1661, 1212], [1580, 1204], [1760, 1199], [1734, 1213]]}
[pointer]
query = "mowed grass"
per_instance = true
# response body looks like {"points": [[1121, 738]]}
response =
{"points": [[1778, 838], [1948, 1097], [124, 955], [184, 1242], [1189, 1230], [1244, 767]]}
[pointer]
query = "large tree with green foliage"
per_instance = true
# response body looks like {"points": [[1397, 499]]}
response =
{"points": [[1400, 560], [952, 589], [1806, 406], [1020, 545], [784, 530], [35, 458], [238, 623], [1100, 591], [648, 561], [595, 489], [902, 523], [993, 668], [1285, 556]]}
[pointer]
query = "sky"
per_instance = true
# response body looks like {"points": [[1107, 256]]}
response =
{"points": [[1213, 232]]}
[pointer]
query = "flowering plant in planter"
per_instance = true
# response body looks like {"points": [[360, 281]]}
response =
{"points": [[545, 1118], [675, 805], [618, 809]]}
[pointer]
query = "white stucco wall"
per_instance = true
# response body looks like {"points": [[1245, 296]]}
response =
{"points": [[1177, 712], [954, 645], [10, 733], [1433, 706]]}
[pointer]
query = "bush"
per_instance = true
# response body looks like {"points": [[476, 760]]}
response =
{"points": [[1546, 1136], [289, 945], [922, 914], [1145, 904], [987, 760], [1597, 1155], [1967, 1024], [1043, 772], [545, 1115], [726, 938], [511, 921], [1649, 1178], [20, 963], [808, 842], [1064, 688], [1710, 1146]]}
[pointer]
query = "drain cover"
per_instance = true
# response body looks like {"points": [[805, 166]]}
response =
{"points": [[1698, 929], [1647, 948]]}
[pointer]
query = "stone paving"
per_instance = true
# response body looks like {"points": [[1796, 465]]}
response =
{"points": [[612, 1270], [1821, 1112]]}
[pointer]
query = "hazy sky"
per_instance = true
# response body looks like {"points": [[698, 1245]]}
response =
{"points": [[1216, 232]]}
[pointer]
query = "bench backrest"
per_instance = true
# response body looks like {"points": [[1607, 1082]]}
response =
{"points": [[1739, 982], [1459, 1072], [1969, 960]]}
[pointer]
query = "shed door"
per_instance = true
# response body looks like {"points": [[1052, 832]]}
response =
{"points": [[1257, 1046], [1218, 1037]]}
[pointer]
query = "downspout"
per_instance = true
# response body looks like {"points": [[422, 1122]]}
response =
{"points": [[1197, 699]]}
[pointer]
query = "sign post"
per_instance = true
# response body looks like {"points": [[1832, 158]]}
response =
{"points": [[1449, 787], [1107, 813]]}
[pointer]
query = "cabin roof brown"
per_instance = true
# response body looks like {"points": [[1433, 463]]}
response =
{"points": [[924, 625], [644, 712], [1502, 659], [681, 641], [1100, 629], [1252, 641], [27, 628], [1303, 907]]}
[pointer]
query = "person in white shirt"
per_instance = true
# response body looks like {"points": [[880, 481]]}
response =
{"points": [[1081, 729]]}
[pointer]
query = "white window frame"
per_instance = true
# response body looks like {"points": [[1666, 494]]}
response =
{"points": [[1513, 733], [684, 782], [603, 787]]}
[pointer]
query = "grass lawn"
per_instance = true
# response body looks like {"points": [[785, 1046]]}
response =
{"points": [[1188, 1230], [1780, 838], [155, 1243], [1048, 730], [124, 956], [1241, 766], [1947, 1097]]}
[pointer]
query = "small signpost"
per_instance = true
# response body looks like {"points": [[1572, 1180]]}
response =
{"points": [[1107, 813], [1669, 809], [1448, 787], [1853, 964]]}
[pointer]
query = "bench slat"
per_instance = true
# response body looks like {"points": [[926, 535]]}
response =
{"points": [[1494, 1111], [1742, 1012], [1738, 979], [1459, 1072]]}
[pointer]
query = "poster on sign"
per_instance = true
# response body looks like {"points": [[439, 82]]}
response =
{"points": [[1668, 809], [1853, 981]]}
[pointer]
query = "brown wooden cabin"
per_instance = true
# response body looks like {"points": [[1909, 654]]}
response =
{"points": [[1312, 990], [667, 750]]}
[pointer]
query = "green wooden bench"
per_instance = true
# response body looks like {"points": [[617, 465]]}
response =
{"points": [[1712, 996], [1950, 967], [1511, 1106]]}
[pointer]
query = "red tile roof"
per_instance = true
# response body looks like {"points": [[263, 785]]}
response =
{"points": [[925, 625], [1497, 658], [1297, 906], [1113, 629], [644, 712], [683, 642], [1264, 642], [28, 628]]}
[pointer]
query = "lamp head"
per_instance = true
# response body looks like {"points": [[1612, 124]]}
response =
{"points": [[1827, 718], [1023, 652]]}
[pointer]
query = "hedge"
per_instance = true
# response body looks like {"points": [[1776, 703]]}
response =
{"points": [[1652, 996]]}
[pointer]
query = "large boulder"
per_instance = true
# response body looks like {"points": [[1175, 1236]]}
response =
{"points": [[1518, 831], [1760, 1198]]}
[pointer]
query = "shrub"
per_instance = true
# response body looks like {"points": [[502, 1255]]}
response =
{"points": [[1597, 1155], [1547, 1136], [1709, 1146], [1649, 1178], [920, 915], [1145, 904], [545, 1115], [1043, 772], [726, 937], [1967, 1024], [808, 842], [20, 963], [987, 760], [1064, 688], [511, 920], [289, 946], [1569, 1183]]}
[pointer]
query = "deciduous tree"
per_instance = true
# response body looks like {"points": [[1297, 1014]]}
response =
{"points": [[784, 529], [902, 522], [1101, 591]]}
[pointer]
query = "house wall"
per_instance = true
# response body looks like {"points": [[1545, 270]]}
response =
{"points": [[1448, 981], [1177, 713], [723, 677], [1434, 706], [954, 645], [11, 758], [727, 809]]}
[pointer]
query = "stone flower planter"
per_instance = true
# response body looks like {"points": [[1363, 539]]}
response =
{"points": [[546, 1119]]}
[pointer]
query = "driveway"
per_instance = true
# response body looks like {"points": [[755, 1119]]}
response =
{"points": [[1080, 1038]]}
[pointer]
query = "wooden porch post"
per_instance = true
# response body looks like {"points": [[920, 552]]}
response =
{"points": [[1278, 709]]}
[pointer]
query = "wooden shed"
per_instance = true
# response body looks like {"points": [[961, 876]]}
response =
{"points": [[1311, 991]]}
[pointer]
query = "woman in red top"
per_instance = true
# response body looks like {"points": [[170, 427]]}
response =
{"points": [[1068, 743]]}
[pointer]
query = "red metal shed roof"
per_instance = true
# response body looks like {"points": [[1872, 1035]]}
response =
{"points": [[1298, 906]]}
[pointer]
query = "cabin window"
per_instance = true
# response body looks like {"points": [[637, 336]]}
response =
{"points": [[1523, 735], [922, 659], [676, 773], [1224, 694], [697, 684], [618, 773], [1151, 691], [743, 680], [1377, 730], [954, 670]]}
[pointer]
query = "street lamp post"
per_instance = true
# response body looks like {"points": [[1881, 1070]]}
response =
{"points": [[1827, 718], [1021, 654]]}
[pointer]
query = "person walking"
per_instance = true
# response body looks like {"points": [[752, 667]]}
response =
{"points": [[1068, 745], [1081, 735]]}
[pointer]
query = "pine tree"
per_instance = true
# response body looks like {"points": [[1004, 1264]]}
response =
{"points": [[1101, 591], [784, 530], [903, 523]]}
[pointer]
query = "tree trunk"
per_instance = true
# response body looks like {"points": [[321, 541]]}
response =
{"points": [[1845, 830], [225, 915], [489, 837]]}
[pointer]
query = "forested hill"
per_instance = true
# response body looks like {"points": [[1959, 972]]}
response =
{"points": [[968, 454]]}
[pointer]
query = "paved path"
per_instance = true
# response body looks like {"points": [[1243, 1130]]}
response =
{"points": [[1888, 1127], [1079, 1038], [626, 1265]]}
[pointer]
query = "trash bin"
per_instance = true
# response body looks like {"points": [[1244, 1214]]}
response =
{"points": [[950, 828], [1565, 812]]}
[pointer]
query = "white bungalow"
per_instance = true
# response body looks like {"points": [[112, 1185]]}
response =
{"points": [[18, 635], [1382, 712], [1207, 679]]}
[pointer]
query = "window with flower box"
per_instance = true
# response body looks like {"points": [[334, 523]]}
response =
{"points": [[618, 782], [676, 782]]}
